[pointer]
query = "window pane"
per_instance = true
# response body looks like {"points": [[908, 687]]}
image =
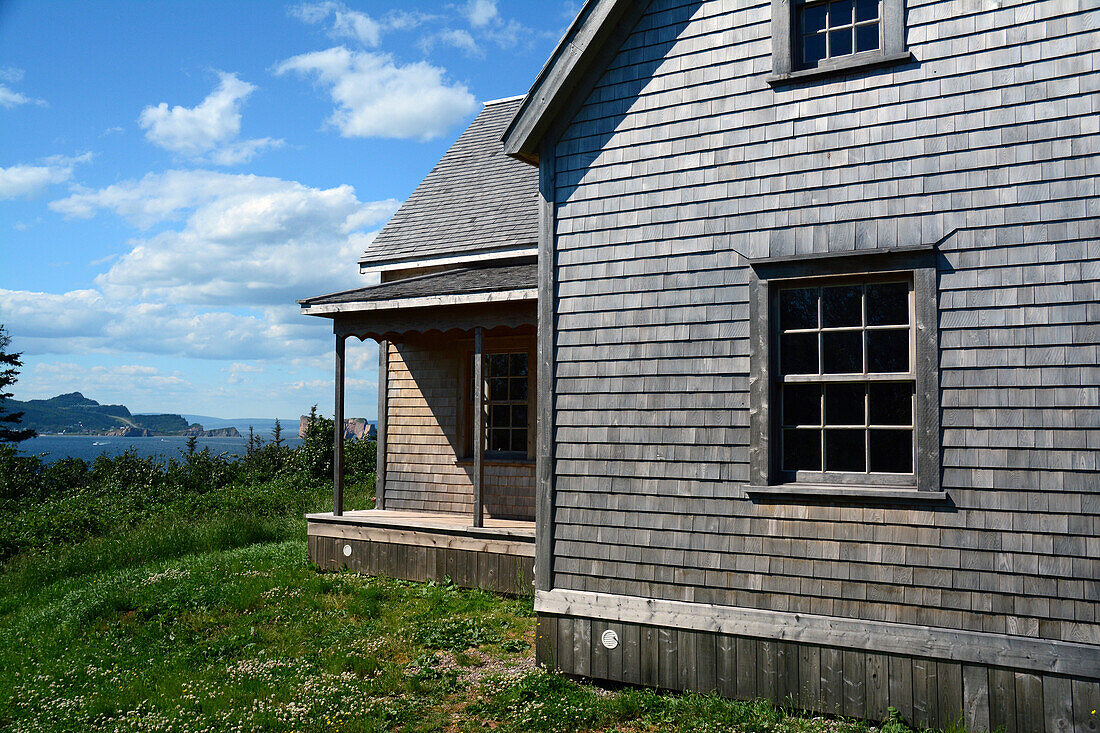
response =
{"points": [[518, 365], [499, 439], [813, 18], [797, 309], [866, 9], [888, 304], [887, 351], [519, 389], [841, 306], [519, 441], [801, 450], [519, 416], [840, 42], [843, 352], [891, 404], [867, 37], [813, 49], [840, 13], [498, 416], [498, 389], [798, 353], [801, 404], [844, 450], [844, 404], [892, 451], [498, 365]]}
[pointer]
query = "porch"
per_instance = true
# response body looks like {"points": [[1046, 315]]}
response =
{"points": [[427, 546], [456, 430]]}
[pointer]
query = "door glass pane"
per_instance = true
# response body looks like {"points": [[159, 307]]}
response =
{"points": [[888, 304], [845, 450], [891, 451], [866, 10], [519, 416], [842, 352], [519, 388], [801, 404], [519, 441], [844, 404], [867, 37], [891, 404], [518, 365], [841, 306], [797, 308], [498, 416], [798, 353], [498, 365], [802, 450], [499, 439], [887, 351], [498, 389], [840, 42]]}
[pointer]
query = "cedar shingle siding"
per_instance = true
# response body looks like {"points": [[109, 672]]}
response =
{"points": [[683, 160]]}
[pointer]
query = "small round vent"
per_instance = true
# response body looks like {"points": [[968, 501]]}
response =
{"points": [[347, 550], [610, 639]]}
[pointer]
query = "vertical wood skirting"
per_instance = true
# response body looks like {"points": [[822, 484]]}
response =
{"points": [[380, 429], [544, 471], [850, 682], [338, 431], [479, 428]]}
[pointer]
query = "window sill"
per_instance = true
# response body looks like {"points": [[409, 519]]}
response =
{"points": [[821, 492], [840, 68]]}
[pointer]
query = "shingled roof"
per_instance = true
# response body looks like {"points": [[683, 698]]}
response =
{"points": [[476, 199], [500, 278]]}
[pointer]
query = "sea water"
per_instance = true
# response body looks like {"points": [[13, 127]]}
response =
{"points": [[55, 447]]}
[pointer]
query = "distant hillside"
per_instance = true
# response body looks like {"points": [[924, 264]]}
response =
{"points": [[76, 414]]}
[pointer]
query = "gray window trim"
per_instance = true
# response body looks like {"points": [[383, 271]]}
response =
{"points": [[893, 49], [920, 264]]}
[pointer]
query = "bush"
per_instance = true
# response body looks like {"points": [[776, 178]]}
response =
{"points": [[71, 501]]}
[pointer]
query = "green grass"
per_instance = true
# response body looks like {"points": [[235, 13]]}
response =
{"points": [[209, 617]]}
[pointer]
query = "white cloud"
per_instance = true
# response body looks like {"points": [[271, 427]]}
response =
{"points": [[247, 240], [456, 37], [209, 129], [376, 97], [9, 97], [354, 25], [28, 180], [481, 13]]}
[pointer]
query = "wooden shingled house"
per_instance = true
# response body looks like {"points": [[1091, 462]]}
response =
{"points": [[455, 317], [818, 354]]}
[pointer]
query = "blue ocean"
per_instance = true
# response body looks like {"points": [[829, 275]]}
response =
{"points": [[54, 447]]}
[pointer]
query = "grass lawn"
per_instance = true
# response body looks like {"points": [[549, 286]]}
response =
{"points": [[206, 616]]}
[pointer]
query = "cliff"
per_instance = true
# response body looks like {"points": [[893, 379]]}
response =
{"points": [[354, 427]]}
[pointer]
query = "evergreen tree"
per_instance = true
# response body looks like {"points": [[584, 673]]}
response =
{"points": [[9, 372]]}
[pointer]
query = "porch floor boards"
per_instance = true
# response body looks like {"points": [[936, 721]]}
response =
{"points": [[461, 524]]}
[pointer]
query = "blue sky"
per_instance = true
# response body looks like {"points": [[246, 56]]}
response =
{"points": [[173, 175]]}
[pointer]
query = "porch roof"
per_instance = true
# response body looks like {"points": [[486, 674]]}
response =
{"points": [[463, 286]]}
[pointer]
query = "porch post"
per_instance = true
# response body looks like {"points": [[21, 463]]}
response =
{"points": [[338, 432], [479, 430], [380, 430]]}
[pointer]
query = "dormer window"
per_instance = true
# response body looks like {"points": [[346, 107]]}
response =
{"points": [[836, 28]]}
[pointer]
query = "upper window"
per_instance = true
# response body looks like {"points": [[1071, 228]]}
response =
{"points": [[835, 28], [845, 380], [815, 37]]}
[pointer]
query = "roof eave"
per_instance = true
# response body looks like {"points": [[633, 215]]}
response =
{"points": [[574, 54]]}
